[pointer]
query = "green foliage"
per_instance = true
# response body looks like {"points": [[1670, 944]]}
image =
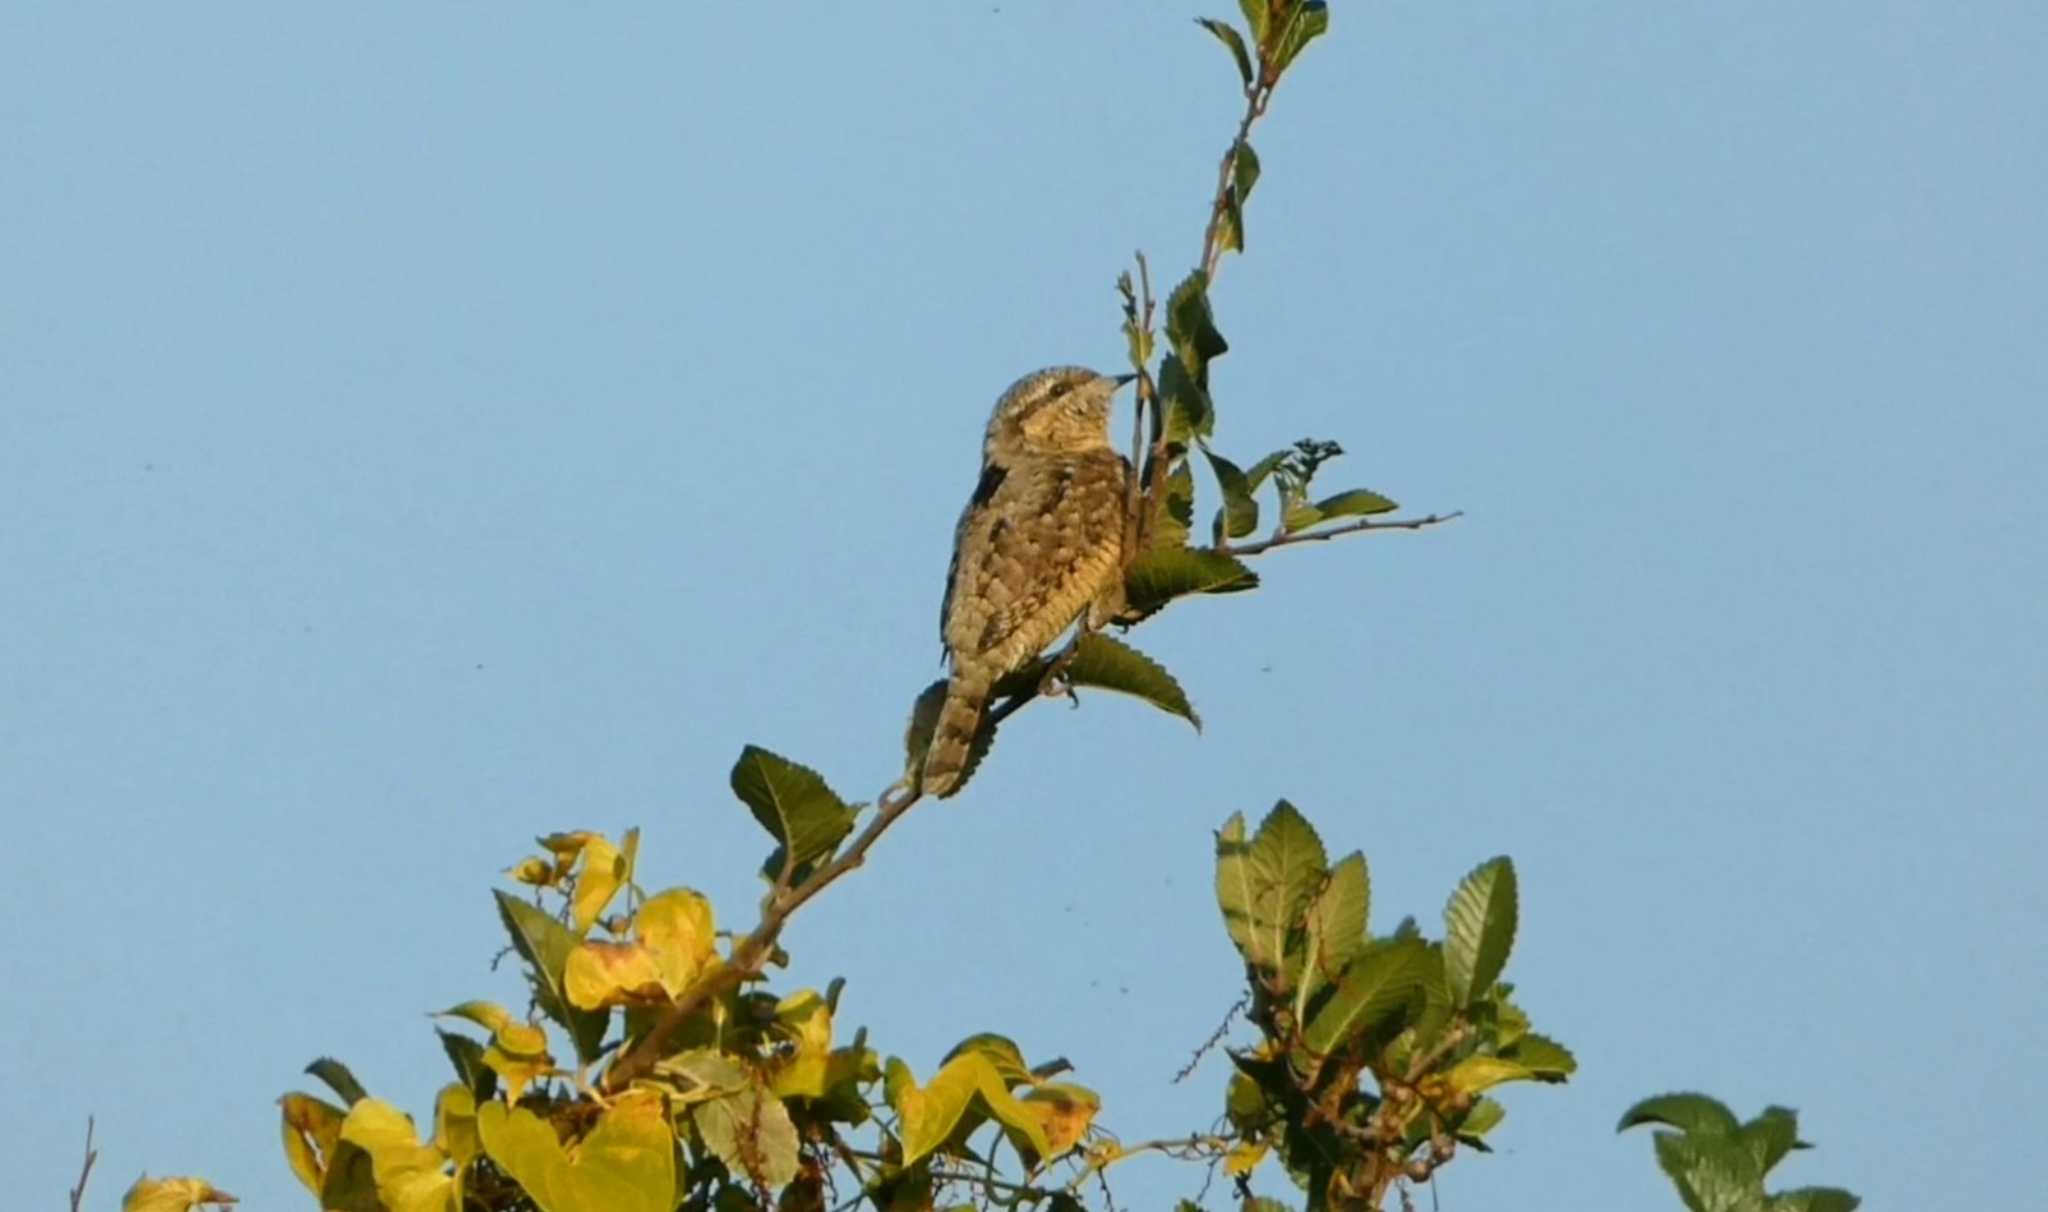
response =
{"points": [[793, 804], [544, 943], [1162, 574], [1372, 1051], [1719, 1164]]}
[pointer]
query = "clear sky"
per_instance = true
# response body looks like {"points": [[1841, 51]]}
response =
{"points": [[427, 425]]}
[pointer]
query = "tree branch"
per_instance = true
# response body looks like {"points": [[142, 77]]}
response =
{"points": [[1338, 532], [85, 1173], [750, 954]]}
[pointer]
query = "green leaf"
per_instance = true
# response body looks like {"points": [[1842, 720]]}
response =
{"points": [[1240, 513], [1227, 34], [1544, 1058], [792, 803], [1711, 1173], [1297, 515], [1357, 502], [1230, 228], [1257, 473], [1190, 414], [1256, 17], [751, 1132], [1479, 929], [1813, 1199], [924, 720], [1335, 924], [467, 1056], [1771, 1135], [1191, 327], [1245, 171], [1264, 886], [1177, 511], [1163, 574], [1108, 664], [1310, 21], [1693, 1113], [339, 1080], [545, 944], [1484, 1117], [1375, 986]]}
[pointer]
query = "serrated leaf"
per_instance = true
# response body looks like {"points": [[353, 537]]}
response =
{"points": [[1170, 526], [1286, 865], [1544, 1058], [1297, 515], [792, 803], [1771, 1135], [1711, 1173], [1335, 927], [1813, 1199], [544, 944], [1245, 171], [1259, 472], [1479, 929], [339, 1080], [1484, 1117], [1190, 414], [1240, 513], [1358, 502], [1230, 228], [1191, 327], [1310, 21], [1376, 985], [1162, 574], [1106, 664], [1227, 34], [1688, 1112]]}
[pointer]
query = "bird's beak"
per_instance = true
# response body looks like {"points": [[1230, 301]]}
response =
{"points": [[1121, 380]]}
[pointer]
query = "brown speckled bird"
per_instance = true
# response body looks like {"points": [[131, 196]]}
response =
{"points": [[1039, 546]]}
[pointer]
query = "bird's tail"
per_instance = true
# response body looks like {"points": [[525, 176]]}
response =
{"points": [[952, 747]]}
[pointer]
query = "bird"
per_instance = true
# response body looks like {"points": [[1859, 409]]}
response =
{"points": [[1038, 547]]}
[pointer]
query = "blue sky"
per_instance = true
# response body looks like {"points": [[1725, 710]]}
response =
{"points": [[424, 426]]}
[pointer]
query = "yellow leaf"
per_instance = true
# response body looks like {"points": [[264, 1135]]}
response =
{"points": [[489, 1015], [930, 1115], [625, 1164], [678, 927], [171, 1195], [455, 1123], [1065, 1110], [603, 874], [311, 1129], [411, 1177], [1244, 1157], [600, 975], [805, 1020], [1476, 1073], [538, 872]]}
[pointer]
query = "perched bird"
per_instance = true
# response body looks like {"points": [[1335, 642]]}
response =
{"points": [[1039, 546]]}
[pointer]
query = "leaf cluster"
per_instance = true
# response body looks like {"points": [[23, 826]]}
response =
{"points": [[1719, 1164], [1375, 1053]]}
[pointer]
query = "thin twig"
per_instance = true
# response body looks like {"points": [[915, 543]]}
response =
{"points": [[1338, 532], [1215, 1037], [1256, 95], [85, 1172], [751, 953]]}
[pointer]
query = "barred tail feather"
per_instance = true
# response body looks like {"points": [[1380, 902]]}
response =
{"points": [[945, 762]]}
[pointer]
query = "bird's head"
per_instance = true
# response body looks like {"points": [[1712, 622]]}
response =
{"points": [[1058, 410]]}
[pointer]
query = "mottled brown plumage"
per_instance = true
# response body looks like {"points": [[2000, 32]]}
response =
{"points": [[1039, 545]]}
